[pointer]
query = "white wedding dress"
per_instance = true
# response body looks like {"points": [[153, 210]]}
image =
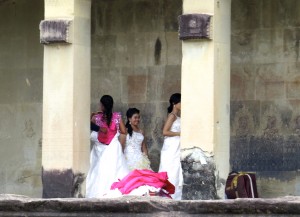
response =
{"points": [[134, 156], [107, 165], [170, 160]]}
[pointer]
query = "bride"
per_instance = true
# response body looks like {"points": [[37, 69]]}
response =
{"points": [[141, 181], [135, 150]]}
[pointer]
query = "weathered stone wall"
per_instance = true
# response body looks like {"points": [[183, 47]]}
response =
{"points": [[265, 93], [136, 58], [198, 169], [21, 91]]}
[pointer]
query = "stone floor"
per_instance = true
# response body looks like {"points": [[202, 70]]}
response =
{"points": [[15, 205]]}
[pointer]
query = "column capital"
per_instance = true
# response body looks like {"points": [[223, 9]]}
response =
{"points": [[56, 31]]}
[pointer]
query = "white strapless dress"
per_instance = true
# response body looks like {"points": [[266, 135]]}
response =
{"points": [[170, 160], [134, 156]]}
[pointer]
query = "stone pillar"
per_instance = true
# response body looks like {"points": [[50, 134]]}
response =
{"points": [[66, 97], [205, 103]]}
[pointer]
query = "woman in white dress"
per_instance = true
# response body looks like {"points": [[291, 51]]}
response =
{"points": [[135, 150], [170, 153], [107, 162]]}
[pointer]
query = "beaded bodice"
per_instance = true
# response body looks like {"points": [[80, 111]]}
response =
{"points": [[176, 125]]}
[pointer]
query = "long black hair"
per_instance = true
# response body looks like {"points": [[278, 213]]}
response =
{"points": [[108, 103], [130, 112], [174, 99]]}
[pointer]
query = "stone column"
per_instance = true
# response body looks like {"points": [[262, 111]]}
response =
{"points": [[205, 103], [66, 97]]}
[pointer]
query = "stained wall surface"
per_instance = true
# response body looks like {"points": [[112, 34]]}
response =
{"points": [[21, 91], [265, 93], [136, 58]]}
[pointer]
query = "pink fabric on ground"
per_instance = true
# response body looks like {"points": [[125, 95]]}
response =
{"points": [[138, 178]]}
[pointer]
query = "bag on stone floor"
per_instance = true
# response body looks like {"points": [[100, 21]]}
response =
{"points": [[241, 185]]}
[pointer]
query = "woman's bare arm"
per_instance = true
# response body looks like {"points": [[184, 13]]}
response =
{"points": [[122, 139], [144, 148], [122, 127], [168, 124]]}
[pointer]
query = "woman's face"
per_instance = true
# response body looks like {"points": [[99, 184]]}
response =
{"points": [[135, 119], [102, 108], [178, 106]]}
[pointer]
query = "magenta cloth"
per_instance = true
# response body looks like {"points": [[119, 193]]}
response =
{"points": [[137, 178], [105, 138]]}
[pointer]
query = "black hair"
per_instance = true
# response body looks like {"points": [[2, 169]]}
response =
{"points": [[174, 99], [108, 103], [130, 112]]}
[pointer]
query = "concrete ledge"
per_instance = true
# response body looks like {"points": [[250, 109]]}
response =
{"points": [[14, 205]]}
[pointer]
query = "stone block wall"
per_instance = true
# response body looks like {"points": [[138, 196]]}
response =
{"points": [[21, 94], [265, 97], [136, 58]]}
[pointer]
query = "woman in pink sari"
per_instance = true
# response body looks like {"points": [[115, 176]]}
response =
{"points": [[107, 162]]}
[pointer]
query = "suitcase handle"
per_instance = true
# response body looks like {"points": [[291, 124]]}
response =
{"points": [[233, 172], [235, 180], [251, 185]]}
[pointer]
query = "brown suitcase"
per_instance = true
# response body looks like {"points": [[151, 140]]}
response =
{"points": [[241, 185]]}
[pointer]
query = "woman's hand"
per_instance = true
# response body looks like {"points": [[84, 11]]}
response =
{"points": [[93, 119]]}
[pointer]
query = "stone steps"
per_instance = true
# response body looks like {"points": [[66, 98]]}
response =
{"points": [[15, 205]]}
